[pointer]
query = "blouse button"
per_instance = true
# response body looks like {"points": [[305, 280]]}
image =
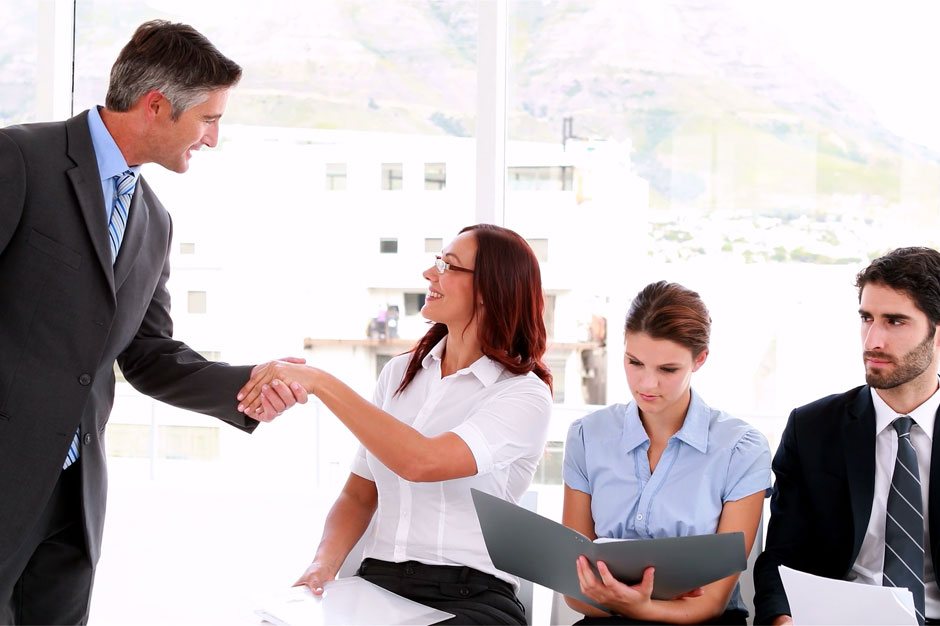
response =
{"points": [[639, 517]]}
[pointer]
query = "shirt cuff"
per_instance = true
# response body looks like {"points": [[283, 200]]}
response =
{"points": [[576, 481], [479, 448], [749, 485], [360, 467]]}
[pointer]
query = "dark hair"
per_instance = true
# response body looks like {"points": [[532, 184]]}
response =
{"points": [[507, 279], [912, 271], [174, 59], [670, 311]]}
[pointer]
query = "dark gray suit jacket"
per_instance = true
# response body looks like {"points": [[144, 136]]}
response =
{"points": [[66, 314], [823, 493]]}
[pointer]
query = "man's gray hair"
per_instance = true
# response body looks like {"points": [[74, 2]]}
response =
{"points": [[174, 59]]}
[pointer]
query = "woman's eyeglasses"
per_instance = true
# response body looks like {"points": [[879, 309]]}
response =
{"points": [[442, 266]]}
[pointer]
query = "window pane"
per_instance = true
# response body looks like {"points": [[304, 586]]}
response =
{"points": [[196, 302], [540, 178], [391, 176], [335, 176], [414, 302], [435, 176], [330, 92], [337, 86], [19, 60], [731, 147]]}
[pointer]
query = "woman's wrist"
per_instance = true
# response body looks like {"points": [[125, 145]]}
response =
{"points": [[309, 379], [645, 610]]}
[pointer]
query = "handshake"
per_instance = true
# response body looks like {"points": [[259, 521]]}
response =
{"points": [[274, 387]]}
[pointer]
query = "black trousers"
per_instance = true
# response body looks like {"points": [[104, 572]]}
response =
{"points": [[48, 579], [471, 595], [732, 616]]}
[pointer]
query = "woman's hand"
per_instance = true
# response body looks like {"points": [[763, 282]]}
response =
{"points": [[628, 600], [316, 576]]}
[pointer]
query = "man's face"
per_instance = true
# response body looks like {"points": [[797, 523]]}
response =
{"points": [[173, 141], [898, 340]]}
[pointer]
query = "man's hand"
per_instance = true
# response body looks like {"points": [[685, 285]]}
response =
{"points": [[275, 397], [782, 620]]}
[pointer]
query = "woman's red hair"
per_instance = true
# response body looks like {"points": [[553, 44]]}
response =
{"points": [[507, 280]]}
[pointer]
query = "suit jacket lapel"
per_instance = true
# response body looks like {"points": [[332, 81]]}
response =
{"points": [[87, 184], [137, 220], [859, 450]]}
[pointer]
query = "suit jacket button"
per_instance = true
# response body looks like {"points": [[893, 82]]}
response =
{"points": [[87, 438], [84, 379]]}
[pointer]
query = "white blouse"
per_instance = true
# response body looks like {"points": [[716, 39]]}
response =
{"points": [[502, 417]]}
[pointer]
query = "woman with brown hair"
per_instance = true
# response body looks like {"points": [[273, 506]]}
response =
{"points": [[469, 406], [664, 465]]}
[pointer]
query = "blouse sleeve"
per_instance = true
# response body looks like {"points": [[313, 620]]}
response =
{"points": [[575, 468], [749, 468], [360, 465], [511, 426]]}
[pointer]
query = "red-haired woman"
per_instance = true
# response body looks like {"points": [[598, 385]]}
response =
{"points": [[469, 406], [664, 465]]}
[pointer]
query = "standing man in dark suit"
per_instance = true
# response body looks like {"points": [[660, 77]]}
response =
{"points": [[84, 248], [856, 496]]}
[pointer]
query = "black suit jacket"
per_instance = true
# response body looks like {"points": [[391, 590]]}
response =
{"points": [[66, 314], [822, 496]]}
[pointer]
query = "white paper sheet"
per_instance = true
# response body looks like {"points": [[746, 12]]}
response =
{"points": [[351, 601], [817, 600]]}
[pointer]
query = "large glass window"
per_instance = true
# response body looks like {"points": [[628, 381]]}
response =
{"points": [[759, 153]]}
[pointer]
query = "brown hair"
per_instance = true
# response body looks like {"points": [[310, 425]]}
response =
{"points": [[174, 59], [912, 271], [507, 279], [670, 311]]}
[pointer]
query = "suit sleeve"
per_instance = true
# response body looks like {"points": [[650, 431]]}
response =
{"points": [[12, 189], [170, 371], [786, 532]]}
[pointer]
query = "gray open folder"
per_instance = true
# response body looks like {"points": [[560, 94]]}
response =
{"points": [[536, 548]]}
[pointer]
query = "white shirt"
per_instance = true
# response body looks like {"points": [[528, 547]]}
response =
{"points": [[869, 566], [502, 417]]}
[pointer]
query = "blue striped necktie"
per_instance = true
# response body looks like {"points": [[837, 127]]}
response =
{"points": [[123, 192], [124, 185], [904, 525]]}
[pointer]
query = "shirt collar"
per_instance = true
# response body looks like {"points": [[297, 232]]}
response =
{"points": [[634, 435], [111, 161], [694, 431], [485, 369], [923, 416]]}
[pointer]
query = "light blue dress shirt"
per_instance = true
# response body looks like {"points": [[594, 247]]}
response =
{"points": [[111, 161], [713, 459]]}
